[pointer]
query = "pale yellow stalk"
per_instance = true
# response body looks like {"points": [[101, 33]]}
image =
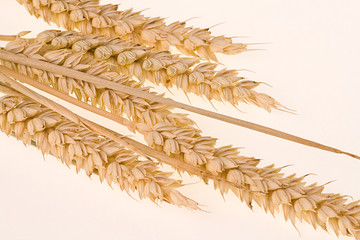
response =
{"points": [[67, 59]]}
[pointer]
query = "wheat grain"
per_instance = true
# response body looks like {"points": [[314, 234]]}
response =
{"points": [[89, 17], [53, 134]]}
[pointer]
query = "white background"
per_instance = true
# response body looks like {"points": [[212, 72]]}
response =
{"points": [[312, 63]]}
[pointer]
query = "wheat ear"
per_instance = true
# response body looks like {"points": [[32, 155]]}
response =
{"points": [[272, 191], [89, 17], [203, 79], [66, 140], [68, 60]]}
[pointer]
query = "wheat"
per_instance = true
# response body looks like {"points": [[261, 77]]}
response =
{"points": [[268, 187], [88, 17], [159, 67], [53, 134], [176, 140]]}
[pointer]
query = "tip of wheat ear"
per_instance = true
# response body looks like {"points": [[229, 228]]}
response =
{"points": [[89, 17]]}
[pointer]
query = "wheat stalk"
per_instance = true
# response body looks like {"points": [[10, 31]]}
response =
{"points": [[89, 17], [65, 84]]}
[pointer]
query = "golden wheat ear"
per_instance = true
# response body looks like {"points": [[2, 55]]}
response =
{"points": [[52, 133], [89, 17], [160, 67]]}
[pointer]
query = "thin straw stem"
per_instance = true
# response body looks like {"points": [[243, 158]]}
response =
{"points": [[8, 37], [5, 55], [13, 37]]}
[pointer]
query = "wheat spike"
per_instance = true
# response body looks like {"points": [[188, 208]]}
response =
{"points": [[53, 134], [268, 187], [159, 67], [88, 17]]}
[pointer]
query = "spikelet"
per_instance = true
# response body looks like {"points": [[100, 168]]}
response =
{"points": [[53, 134], [88, 17], [267, 187], [161, 67]]}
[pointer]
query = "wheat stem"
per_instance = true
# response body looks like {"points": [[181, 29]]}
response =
{"points": [[13, 37], [101, 82]]}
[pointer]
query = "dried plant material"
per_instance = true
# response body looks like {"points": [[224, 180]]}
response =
{"points": [[66, 140], [162, 67], [92, 67], [89, 17]]}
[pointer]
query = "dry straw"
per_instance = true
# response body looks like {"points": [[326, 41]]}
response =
{"points": [[98, 70], [103, 82]]}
